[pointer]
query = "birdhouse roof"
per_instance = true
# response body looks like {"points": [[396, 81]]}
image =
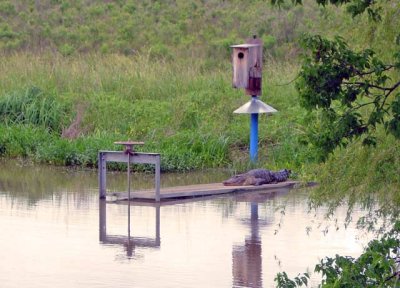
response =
{"points": [[255, 106]]}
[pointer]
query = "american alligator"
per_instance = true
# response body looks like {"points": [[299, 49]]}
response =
{"points": [[281, 175], [258, 177]]}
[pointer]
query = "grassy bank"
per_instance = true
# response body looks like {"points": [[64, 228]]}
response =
{"points": [[182, 109], [166, 80]]}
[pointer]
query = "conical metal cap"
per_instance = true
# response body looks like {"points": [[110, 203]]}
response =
{"points": [[255, 106]]}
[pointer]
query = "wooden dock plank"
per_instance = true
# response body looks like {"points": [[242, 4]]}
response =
{"points": [[198, 190], [259, 196]]}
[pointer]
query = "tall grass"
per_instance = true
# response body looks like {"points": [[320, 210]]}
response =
{"points": [[129, 77], [32, 106], [180, 109]]}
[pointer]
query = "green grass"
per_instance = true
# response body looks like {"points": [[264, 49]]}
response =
{"points": [[181, 110], [161, 29], [32, 106]]}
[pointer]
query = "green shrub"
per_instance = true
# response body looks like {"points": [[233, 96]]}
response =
{"points": [[7, 8], [160, 51], [33, 106], [66, 50], [6, 32], [22, 140]]}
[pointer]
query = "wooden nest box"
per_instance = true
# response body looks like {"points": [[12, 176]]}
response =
{"points": [[247, 66]]}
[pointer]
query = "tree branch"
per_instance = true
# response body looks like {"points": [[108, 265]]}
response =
{"points": [[370, 85], [392, 276], [387, 67], [389, 92], [362, 105]]}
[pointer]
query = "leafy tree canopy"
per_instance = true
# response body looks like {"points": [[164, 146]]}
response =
{"points": [[352, 92]]}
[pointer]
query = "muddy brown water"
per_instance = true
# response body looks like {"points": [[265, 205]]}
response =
{"points": [[56, 233]]}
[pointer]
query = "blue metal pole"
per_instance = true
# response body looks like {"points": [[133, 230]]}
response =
{"points": [[253, 136]]}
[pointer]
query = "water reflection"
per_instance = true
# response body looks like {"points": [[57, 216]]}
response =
{"points": [[25, 183], [247, 258], [128, 242], [22, 180], [211, 242]]}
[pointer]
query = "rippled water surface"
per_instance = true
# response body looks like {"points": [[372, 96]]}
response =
{"points": [[56, 233]]}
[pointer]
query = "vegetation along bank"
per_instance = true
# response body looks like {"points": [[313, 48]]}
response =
{"points": [[78, 76]]}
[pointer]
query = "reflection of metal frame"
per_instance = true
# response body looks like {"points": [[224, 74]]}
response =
{"points": [[121, 156], [129, 242]]}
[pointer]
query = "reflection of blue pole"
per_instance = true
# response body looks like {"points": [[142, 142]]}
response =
{"points": [[253, 136], [254, 211]]}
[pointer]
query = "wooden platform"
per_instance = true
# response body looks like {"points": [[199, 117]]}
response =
{"points": [[200, 190]]}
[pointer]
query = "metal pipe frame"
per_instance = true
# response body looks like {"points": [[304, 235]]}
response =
{"points": [[122, 157]]}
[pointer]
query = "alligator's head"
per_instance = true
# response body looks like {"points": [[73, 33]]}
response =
{"points": [[237, 180], [281, 175]]}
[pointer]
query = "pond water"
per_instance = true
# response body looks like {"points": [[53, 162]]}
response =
{"points": [[55, 232]]}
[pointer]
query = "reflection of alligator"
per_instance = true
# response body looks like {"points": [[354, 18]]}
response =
{"points": [[258, 177]]}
